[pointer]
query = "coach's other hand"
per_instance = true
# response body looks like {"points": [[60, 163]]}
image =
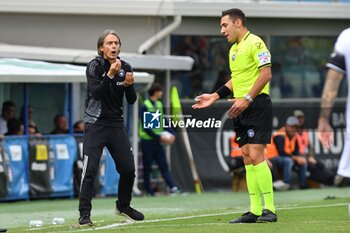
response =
{"points": [[129, 79]]}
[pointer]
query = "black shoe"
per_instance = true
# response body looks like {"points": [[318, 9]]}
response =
{"points": [[3, 229], [267, 216], [246, 218], [129, 212], [85, 220], [341, 181]]}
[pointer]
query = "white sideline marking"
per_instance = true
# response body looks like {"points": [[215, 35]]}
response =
{"points": [[208, 215]]}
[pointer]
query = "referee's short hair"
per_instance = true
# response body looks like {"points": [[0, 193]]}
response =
{"points": [[154, 88], [234, 14]]}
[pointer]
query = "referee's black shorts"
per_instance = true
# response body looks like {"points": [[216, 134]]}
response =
{"points": [[254, 125]]}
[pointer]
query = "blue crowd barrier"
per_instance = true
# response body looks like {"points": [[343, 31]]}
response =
{"points": [[15, 149], [64, 151], [48, 167]]}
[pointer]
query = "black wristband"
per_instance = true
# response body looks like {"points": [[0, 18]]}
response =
{"points": [[224, 91]]}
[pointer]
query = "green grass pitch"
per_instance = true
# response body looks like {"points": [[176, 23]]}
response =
{"points": [[298, 211]]}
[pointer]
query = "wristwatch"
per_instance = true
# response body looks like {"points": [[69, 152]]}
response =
{"points": [[249, 98]]}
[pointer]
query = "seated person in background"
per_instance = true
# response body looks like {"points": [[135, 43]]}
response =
{"points": [[14, 127], [30, 115], [60, 123], [33, 130], [283, 152], [236, 167], [78, 127], [8, 112], [235, 161], [318, 171]]}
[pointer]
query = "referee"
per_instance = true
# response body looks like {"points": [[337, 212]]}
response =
{"points": [[251, 110], [109, 79]]}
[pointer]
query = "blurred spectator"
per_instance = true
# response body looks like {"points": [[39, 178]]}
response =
{"points": [[79, 127], [152, 140], [32, 127], [187, 47], [8, 112], [30, 115], [302, 134], [317, 170], [60, 123], [223, 77], [235, 161], [196, 84], [14, 127], [280, 85], [236, 166], [283, 152], [33, 130], [190, 83]]}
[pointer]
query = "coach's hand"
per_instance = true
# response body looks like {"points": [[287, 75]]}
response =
{"points": [[238, 106], [129, 79], [114, 68]]}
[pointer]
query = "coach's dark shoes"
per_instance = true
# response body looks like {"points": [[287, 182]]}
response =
{"points": [[84, 220], [129, 212], [246, 218], [267, 216]]}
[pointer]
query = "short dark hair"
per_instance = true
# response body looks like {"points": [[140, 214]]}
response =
{"points": [[102, 37], [58, 116], [154, 88], [7, 104], [76, 124], [13, 126], [234, 14]]}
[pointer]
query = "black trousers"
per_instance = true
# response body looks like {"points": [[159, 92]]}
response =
{"points": [[153, 150], [96, 137], [319, 173]]}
